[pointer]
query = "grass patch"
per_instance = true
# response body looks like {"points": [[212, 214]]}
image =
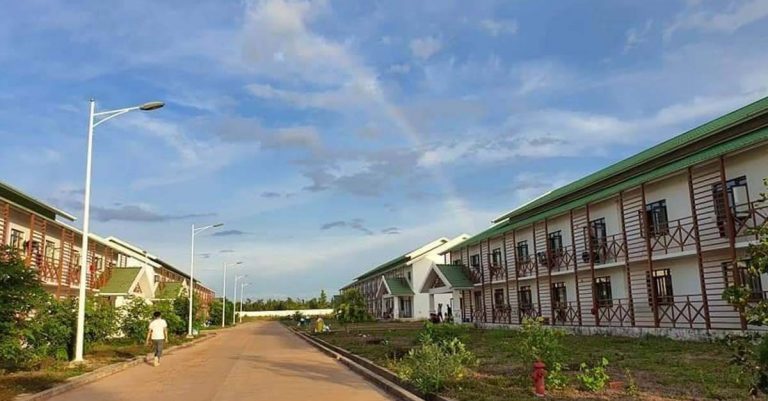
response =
{"points": [[663, 369]]}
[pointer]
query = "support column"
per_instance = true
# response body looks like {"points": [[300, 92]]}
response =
{"points": [[699, 256], [506, 277], [591, 250], [575, 265], [549, 271], [536, 269], [649, 254], [626, 259], [517, 278], [730, 231]]}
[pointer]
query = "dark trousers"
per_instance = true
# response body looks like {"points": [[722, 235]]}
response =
{"points": [[158, 347]]}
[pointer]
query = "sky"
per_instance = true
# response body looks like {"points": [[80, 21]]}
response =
{"points": [[331, 136]]}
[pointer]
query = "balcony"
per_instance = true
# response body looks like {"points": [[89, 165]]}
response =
{"points": [[610, 249], [560, 259], [527, 311], [526, 267], [615, 312], [566, 314], [502, 313], [674, 236], [681, 311], [474, 273], [495, 269], [748, 217]]}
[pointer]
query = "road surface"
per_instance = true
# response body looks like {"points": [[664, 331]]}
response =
{"points": [[255, 361]]}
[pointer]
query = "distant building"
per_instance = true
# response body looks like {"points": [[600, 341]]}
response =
{"points": [[393, 290]]}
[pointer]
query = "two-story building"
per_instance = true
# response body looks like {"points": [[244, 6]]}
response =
{"points": [[650, 242], [393, 290], [116, 269]]}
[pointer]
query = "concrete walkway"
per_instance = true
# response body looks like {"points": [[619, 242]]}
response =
{"points": [[256, 361]]}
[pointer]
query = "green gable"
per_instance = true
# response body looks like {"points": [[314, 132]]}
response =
{"points": [[398, 286], [169, 290], [456, 276], [120, 280]]}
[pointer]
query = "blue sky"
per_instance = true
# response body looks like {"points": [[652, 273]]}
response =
{"points": [[330, 136]]}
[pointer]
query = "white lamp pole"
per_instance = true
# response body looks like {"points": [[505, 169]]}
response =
{"points": [[195, 231], [224, 293], [234, 297], [243, 285], [92, 123]]}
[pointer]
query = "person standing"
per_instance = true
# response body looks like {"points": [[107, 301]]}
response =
{"points": [[158, 333]]}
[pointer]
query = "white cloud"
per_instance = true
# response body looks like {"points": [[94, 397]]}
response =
{"points": [[400, 68], [425, 48], [498, 27], [738, 15], [635, 37]]}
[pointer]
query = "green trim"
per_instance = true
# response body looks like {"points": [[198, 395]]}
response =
{"points": [[120, 280], [745, 141], [397, 262], [20, 198], [711, 128], [456, 276], [398, 286]]}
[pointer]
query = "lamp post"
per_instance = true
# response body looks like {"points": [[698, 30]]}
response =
{"points": [[94, 119], [195, 231], [242, 285], [234, 297], [224, 293]]}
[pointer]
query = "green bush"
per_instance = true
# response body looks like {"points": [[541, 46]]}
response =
{"points": [[349, 307], [556, 379], [101, 320], [438, 333], [539, 343], [430, 366], [214, 314], [135, 319], [593, 379], [750, 355]]}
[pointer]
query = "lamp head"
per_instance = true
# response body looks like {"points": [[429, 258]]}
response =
{"points": [[149, 106], [218, 225]]}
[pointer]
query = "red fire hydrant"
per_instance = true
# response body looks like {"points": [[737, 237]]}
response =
{"points": [[538, 376]]}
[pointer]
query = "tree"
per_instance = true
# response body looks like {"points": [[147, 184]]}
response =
{"points": [[350, 308], [751, 352], [214, 316], [322, 302]]}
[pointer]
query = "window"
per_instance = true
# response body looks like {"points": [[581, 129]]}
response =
{"points": [[474, 261], [498, 297], [555, 242], [17, 239], [603, 291], [526, 298], [662, 283], [478, 300], [522, 252], [559, 296], [496, 257], [50, 252], [598, 239], [656, 215], [738, 201], [747, 278]]}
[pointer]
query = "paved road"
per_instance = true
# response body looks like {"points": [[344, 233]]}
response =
{"points": [[256, 361]]}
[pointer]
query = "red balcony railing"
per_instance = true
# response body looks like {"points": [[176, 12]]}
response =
{"points": [[608, 250], [566, 313], [748, 217], [682, 310], [560, 259], [528, 310], [526, 267], [502, 313], [496, 271], [672, 236], [474, 273], [615, 312]]}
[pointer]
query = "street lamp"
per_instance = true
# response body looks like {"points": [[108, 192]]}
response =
{"points": [[241, 299], [195, 231], [224, 293], [234, 297], [94, 119]]}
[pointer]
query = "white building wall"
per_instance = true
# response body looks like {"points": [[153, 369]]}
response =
{"points": [[754, 165], [674, 190]]}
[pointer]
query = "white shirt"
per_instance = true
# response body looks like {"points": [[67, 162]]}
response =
{"points": [[156, 327]]}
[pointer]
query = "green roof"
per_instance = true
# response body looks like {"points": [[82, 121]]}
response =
{"points": [[170, 290], [400, 260], [696, 134], [456, 276], [753, 138], [398, 286], [120, 280], [20, 198]]}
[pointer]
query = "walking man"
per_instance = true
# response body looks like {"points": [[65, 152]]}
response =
{"points": [[158, 332]]}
